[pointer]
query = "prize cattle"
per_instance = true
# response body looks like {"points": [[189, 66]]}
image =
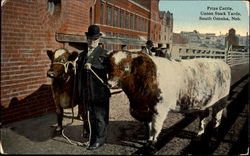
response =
{"points": [[63, 76], [155, 85]]}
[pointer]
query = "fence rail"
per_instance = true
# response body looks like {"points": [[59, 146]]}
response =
{"points": [[230, 57]]}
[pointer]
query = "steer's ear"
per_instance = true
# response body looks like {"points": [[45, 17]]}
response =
{"points": [[50, 54], [73, 56]]}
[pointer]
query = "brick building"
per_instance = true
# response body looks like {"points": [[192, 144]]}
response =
{"points": [[130, 22], [166, 28], [28, 29], [178, 39], [31, 27]]}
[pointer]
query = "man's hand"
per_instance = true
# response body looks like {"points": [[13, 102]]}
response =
{"points": [[87, 66]]}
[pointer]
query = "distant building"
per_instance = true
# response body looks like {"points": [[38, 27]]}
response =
{"points": [[193, 38], [166, 28], [243, 40], [209, 40], [231, 39], [212, 41], [178, 39]]}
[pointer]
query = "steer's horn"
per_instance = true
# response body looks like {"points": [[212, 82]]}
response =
{"points": [[109, 52]]}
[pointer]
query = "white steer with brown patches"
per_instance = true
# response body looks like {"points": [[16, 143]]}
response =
{"points": [[155, 85]]}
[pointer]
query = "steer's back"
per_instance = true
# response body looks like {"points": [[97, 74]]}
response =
{"points": [[192, 84]]}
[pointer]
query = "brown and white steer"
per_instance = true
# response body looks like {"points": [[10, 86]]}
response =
{"points": [[155, 85], [63, 76]]}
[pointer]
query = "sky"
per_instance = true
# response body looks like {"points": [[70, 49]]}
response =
{"points": [[187, 15]]}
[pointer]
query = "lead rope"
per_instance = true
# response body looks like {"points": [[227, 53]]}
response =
{"points": [[76, 143], [88, 67]]}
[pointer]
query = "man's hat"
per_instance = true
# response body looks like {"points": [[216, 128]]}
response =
{"points": [[93, 32], [150, 43]]}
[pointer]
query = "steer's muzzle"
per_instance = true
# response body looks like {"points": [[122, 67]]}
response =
{"points": [[113, 84], [51, 74]]}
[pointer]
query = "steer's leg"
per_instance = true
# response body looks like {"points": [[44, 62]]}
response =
{"points": [[219, 110], [203, 121], [156, 126], [217, 118], [59, 113]]}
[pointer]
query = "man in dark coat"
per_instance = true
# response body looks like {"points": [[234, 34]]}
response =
{"points": [[149, 47], [93, 93]]}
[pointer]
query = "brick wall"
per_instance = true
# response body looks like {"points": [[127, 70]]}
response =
{"points": [[155, 23], [28, 29], [130, 8]]}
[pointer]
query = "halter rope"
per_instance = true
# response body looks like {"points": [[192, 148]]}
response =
{"points": [[65, 65]]}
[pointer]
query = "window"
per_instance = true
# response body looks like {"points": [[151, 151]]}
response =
{"points": [[109, 19], [102, 14], [131, 22], [121, 35], [127, 20], [109, 46], [127, 36], [142, 23], [90, 15], [108, 34], [115, 35], [115, 17], [54, 7], [135, 26], [116, 46], [122, 19]]}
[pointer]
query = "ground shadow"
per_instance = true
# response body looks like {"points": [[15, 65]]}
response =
{"points": [[167, 135], [38, 103], [37, 130], [210, 141], [126, 133], [20, 114]]}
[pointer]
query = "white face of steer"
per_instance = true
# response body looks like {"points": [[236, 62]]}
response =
{"points": [[60, 62], [120, 67]]}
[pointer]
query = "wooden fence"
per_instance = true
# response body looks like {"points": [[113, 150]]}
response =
{"points": [[230, 57]]}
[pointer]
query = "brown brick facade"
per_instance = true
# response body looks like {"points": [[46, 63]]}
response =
{"points": [[27, 31]]}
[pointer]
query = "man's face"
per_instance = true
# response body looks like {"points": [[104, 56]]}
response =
{"points": [[92, 43]]}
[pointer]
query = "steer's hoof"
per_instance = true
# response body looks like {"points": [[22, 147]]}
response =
{"points": [[54, 126], [57, 133], [198, 138], [215, 134], [142, 137], [151, 146], [78, 117], [85, 135]]}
